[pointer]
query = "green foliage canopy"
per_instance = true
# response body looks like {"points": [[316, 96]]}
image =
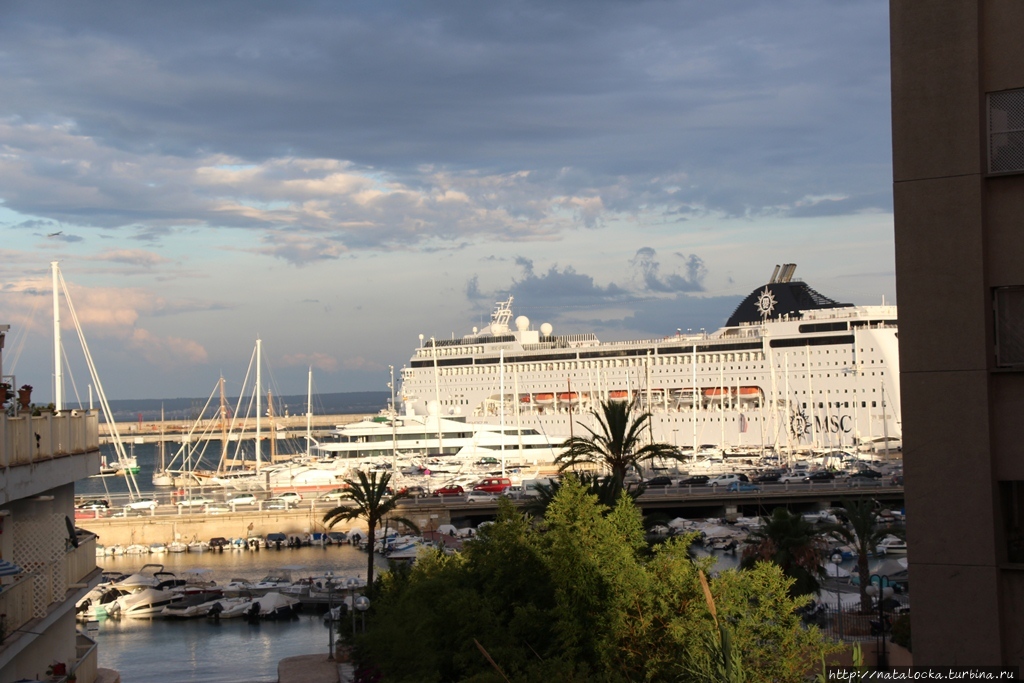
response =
{"points": [[580, 598]]}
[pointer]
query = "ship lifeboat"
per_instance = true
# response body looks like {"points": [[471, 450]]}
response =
{"points": [[618, 395], [544, 399], [683, 395], [750, 394], [525, 398], [569, 397], [716, 393]]}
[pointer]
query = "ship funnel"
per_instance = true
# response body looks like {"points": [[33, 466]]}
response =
{"points": [[775, 274]]}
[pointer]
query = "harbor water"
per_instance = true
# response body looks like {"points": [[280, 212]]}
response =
{"points": [[201, 651]]}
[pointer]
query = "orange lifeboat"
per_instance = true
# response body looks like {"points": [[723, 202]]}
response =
{"points": [[618, 395], [544, 399], [716, 392], [569, 397]]}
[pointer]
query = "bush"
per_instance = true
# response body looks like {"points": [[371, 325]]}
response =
{"points": [[901, 631]]}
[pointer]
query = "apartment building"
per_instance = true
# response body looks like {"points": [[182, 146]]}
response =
{"points": [[54, 566], [958, 183]]}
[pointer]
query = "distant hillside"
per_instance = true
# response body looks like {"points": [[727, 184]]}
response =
{"points": [[189, 408]]}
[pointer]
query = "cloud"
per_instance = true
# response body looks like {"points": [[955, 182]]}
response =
{"points": [[133, 257], [648, 268], [320, 361]]}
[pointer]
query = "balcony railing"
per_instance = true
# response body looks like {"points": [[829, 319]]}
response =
{"points": [[34, 593], [26, 439]]}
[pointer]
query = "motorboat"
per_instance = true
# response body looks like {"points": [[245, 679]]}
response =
{"points": [[148, 602], [272, 606]]}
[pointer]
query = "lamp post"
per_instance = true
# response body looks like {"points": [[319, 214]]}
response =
{"points": [[881, 591], [837, 559], [330, 616], [363, 604], [352, 584]]}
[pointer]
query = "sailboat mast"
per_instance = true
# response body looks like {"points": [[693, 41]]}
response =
{"points": [[309, 410], [223, 428], [58, 365], [259, 407]]}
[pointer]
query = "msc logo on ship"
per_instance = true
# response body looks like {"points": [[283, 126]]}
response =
{"points": [[800, 424]]}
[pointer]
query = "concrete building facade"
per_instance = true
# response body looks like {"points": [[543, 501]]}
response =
{"points": [[958, 183], [41, 457]]}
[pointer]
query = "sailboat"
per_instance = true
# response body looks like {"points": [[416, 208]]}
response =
{"points": [[124, 462]]}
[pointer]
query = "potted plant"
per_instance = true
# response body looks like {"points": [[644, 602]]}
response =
{"points": [[25, 396]]}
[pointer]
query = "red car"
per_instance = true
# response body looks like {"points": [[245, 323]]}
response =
{"points": [[493, 485], [450, 490]]}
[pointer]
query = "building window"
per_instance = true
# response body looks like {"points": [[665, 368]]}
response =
{"points": [[1011, 495], [1006, 131], [1008, 309]]}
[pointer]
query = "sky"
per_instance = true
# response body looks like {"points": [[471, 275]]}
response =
{"points": [[338, 178]]}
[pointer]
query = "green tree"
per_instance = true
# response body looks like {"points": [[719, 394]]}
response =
{"points": [[617, 443], [608, 490], [791, 542], [579, 597], [862, 531], [372, 503]]}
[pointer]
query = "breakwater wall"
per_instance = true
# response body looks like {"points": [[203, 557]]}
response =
{"points": [[148, 529]]}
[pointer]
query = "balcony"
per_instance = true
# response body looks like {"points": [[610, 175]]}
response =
{"points": [[25, 440], [42, 592]]}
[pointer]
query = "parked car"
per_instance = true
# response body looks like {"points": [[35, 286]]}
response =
{"points": [[897, 479], [142, 504], [241, 499], [481, 497], [793, 477], [769, 477], [276, 504], [866, 473], [659, 482], [696, 480], [487, 461], [493, 484], [292, 497], [820, 475], [196, 502], [93, 504], [413, 491], [742, 487], [333, 494], [450, 490], [726, 479]]}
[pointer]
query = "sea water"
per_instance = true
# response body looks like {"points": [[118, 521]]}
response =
{"points": [[201, 651], [231, 650]]}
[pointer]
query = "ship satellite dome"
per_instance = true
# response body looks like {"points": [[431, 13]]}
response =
{"points": [[522, 323], [475, 330], [432, 408], [546, 329]]}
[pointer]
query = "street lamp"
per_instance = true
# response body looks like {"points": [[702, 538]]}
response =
{"points": [[352, 583], [880, 590], [363, 604], [837, 559]]}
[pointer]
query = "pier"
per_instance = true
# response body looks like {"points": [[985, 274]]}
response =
{"points": [[214, 429], [167, 523]]}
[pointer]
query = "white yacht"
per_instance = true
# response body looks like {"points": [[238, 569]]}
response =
{"points": [[791, 369]]}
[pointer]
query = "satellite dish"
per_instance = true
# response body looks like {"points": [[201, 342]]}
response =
{"points": [[72, 534], [546, 329], [522, 323]]}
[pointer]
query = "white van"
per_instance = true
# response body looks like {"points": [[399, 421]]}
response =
{"points": [[530, 485]]}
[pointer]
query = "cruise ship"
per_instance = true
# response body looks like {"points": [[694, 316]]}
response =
{"points": [[791, 371]]}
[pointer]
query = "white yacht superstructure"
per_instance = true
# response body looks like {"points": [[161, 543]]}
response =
{"points": [[791, 369]]}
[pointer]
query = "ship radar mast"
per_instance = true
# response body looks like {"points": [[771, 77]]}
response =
{"points": [[501, 315]]}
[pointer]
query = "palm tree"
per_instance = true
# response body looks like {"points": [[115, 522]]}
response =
{"points": [[791, 542], [864, 534], [617, 443], [373, 504]]}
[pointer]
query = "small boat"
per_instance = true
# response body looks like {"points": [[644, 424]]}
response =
{"points": [[137, 549], [545, 399], [891, 545], [177, 547], [569, 397], [157, 548], [229, 608], [273, 606], [148, 602]]}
